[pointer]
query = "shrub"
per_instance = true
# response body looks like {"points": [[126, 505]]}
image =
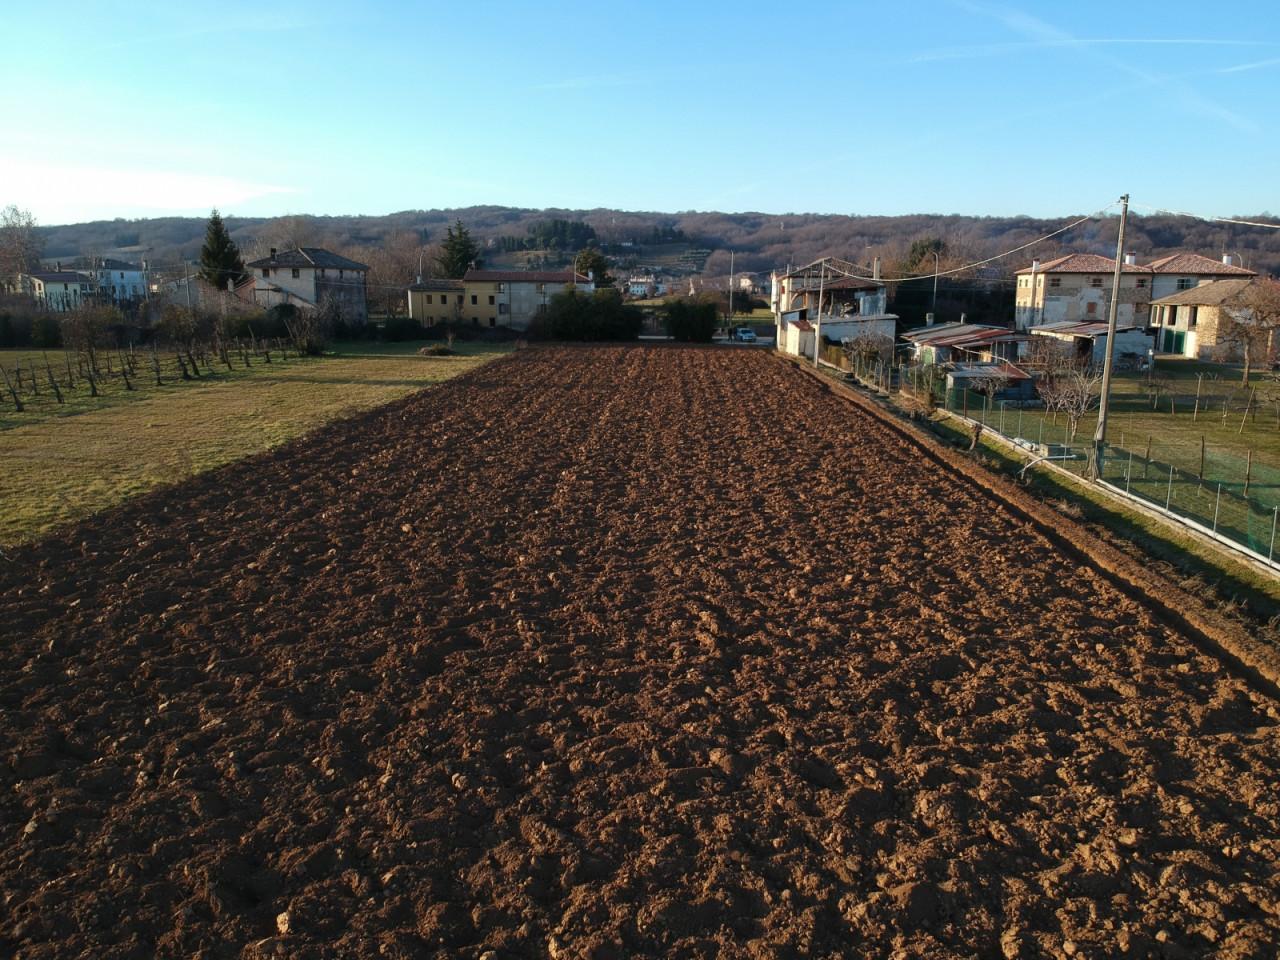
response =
{"points": [[397, 329], [691, 321], [602, 315], [46, 332], [436, 350]]}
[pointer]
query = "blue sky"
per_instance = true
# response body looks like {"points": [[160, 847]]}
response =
{"points": [[150, 109]]}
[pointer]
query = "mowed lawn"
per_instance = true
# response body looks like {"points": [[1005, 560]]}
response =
{"points": [[59, 464]]}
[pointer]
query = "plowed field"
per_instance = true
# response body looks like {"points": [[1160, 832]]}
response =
{"points": [[613, 652]]}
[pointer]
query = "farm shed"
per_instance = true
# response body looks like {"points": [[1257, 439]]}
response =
{"points": [[962, 341], [1019, 385], [1089, 340]]}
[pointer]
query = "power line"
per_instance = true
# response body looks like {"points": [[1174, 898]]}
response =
{"points": [[1197, 216], [831, 261]]}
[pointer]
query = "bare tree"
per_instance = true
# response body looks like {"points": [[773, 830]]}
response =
{"points": [[1071, 388], [868, 348], [1250, 322], [991, 382], [20, 242]]}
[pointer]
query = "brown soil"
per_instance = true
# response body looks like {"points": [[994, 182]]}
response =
{"points": [[614, 652]]}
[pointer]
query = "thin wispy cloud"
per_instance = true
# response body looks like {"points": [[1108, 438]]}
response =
{"points": [[1042, 33], [265, 23], [585, 83], [979, 51], [1256, 65]]}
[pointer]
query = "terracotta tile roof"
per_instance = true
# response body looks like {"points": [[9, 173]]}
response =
{"points": [[525, 276], [1193, 263], [1085, 263], [1212, 293]]}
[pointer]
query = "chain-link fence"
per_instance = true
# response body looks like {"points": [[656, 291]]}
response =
{"points": [[1230, 492]]}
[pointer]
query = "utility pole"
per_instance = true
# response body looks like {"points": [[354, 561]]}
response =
{"points": [[934, 306], [1095, 462], [729, 323], [817, 328]]}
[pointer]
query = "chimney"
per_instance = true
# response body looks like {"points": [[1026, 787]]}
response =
{"points": [[1130, 259], [231, 284], [962, 318], [875, 269], [1229, 259], [273, 253], [928, 319], [57, 266], [1035, 264]]}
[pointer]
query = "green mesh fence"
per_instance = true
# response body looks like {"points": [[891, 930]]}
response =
{"points": [[1231, 491]]}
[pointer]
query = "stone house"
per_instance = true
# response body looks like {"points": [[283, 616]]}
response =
{"points": [[1077, 288], [1190, 321]]}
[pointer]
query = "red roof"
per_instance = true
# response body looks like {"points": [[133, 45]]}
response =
{"points": [[803, 325], [1085, 263], [1193, 263], [526, 276]]}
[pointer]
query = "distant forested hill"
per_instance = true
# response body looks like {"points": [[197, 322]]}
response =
{"points": [[760, 242]]}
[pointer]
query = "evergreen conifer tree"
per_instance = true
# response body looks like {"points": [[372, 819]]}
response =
{"points": [[458, 252], [220, 259]]}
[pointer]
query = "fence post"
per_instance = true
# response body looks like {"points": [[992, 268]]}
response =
{"points": [[1146, 459], [1200, 476], [1019, 421], [964, 396], [1041, 440], [1274, 516], [1169, 498], [1216, 502], [1128, 473], [1002, 418], [1248, 471]]}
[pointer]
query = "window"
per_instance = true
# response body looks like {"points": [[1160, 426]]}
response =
{"points": [[1142, 283], [493, 322], [491, 300], [428, 298], [121, 274], [1192, 317], [322, 271], [296, 272], [474, 299], [1091, 309], [502, 308], [266, 271], [502, 288], [1055, 281], [459, 299], [1095, 281], [1186, 283], [475, 321], [339, 274]]}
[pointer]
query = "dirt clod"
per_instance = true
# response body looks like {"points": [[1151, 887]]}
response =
{"points": [[681, 655]]}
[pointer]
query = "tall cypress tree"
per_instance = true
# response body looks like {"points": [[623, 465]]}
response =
{"points": [[220, 259], [458, 252]]}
